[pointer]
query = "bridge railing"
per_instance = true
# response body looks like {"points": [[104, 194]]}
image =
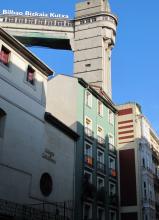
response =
{"points": [[36, 21]]}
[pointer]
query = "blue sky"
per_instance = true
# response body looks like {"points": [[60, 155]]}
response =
{"points": [[135, 60]]}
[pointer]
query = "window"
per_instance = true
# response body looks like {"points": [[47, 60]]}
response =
{"points": [[111, 117], [112, 189], [4, 55], [88, 149], [88, 154], [88, 98], [111, 139], [30, 75], [88, 176], [112, 167], [100, 182], [100, 214], [100, 156], [2, 121], [87, 211], [46, 184], [100, 108], [112, 215]]}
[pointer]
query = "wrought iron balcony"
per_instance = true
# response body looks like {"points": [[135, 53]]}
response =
{"points": [[101, 141], [112, 148], [89, 133], [112, 172], [89, 160], [101, 167]]}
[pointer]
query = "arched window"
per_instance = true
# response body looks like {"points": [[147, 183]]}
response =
{"points": [[2, 121]]}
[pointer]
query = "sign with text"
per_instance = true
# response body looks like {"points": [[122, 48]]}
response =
{"points": [[33, 14]]}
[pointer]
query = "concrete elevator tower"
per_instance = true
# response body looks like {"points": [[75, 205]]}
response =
{"points": [[95, 31]]}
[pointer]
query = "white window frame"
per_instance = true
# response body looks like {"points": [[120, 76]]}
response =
{"points": [[88, 101], [100, 208], [90, 214], [91, 147], [113, 163], [111, 183], [103, 159], [111, 117], [86, 171], [100, 178], [114, 212], [101, 111]]}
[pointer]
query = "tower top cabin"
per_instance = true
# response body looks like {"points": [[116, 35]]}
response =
{"points": [[95, 31]]}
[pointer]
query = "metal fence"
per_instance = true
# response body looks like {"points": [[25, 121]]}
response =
{"points": [[40, 211]]}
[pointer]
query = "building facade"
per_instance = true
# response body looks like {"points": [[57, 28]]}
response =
{"points": [[91, 115], [32, 143], [137, 164]]}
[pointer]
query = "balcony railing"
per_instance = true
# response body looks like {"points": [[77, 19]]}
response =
{"points": [[101, 141], [89, 133], [101, 167], [112, 172], [112, 148], [89, 161]]}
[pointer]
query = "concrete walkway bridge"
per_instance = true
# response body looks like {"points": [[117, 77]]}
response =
{"points": [[54, 33]]}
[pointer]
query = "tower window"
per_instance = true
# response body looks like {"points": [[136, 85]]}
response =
{"points": [[30, 75], [87, 211], [4, 55]]}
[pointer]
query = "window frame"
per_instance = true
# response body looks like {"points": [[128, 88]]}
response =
{"points": [[111, 117], [98, 177], [90, 214], [100, 208], [8, 52], [114, 212], [91, 177], [103, 160], [112, 183], [100, 113], [87, 101], [34, 77]]}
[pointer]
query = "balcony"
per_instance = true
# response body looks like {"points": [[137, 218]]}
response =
{"points": [[112, 148], [101, 141], [112, 172], [89, 133], [89, 161], [101, 167], [113, 199]]}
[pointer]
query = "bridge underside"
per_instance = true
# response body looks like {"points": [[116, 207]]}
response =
{"points": [[63, 44]]}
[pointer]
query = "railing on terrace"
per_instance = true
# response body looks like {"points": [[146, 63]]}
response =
{"points": [[112, 148], [101, 141], [89, 133], [37, 21], [41, 211]]}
